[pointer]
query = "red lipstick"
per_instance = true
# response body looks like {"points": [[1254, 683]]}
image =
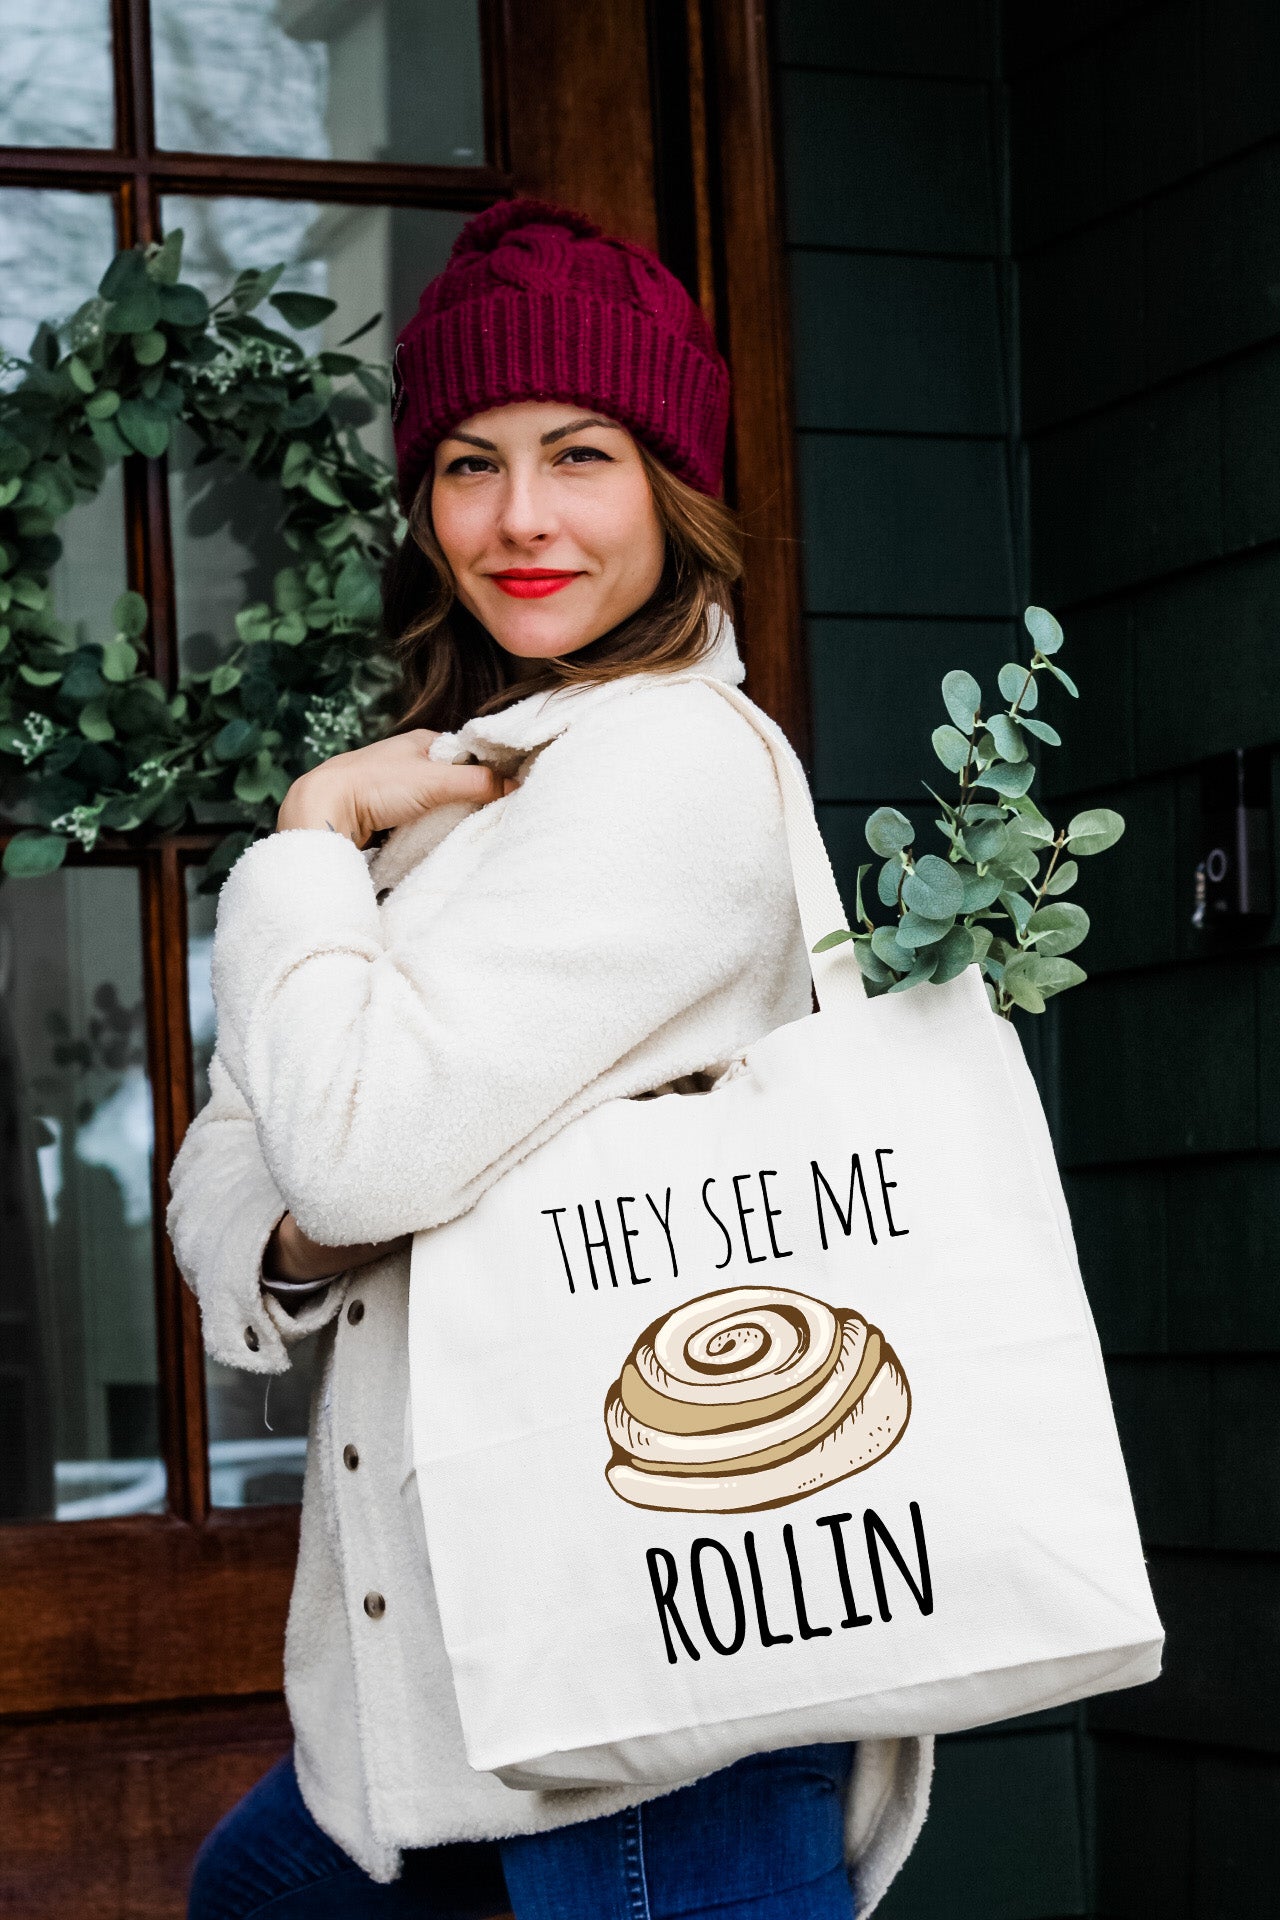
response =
{"points": [[532, 583]]}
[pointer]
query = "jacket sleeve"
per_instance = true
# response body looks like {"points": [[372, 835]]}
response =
{"points": [[223, 1205], [390, 1061]]}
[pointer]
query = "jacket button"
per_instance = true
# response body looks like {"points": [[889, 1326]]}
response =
{"points": [[251, 1339], [350, 1458], [374, 1605], [355, 1312]]}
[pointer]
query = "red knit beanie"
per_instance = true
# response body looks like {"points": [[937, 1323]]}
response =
{"points": [[537, 303]]}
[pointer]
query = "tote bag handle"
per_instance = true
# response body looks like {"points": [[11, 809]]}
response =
{"points": [[837, 978]]}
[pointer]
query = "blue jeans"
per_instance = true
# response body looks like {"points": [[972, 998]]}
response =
{"points": [[761, 1840]]}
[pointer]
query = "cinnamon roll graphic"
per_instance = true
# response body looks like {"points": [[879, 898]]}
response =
{"points": [[748, 1398]]}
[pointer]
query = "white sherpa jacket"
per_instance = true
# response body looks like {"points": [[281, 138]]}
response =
{"points": [[396, 1027]]}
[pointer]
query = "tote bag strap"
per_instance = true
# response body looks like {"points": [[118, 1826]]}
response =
{"points": [[836, 975]]}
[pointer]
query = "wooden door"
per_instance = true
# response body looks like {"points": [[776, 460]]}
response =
{"points": [[141, 1630]]}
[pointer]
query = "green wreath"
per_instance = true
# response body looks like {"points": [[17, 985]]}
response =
{"points": [[94, 740]]}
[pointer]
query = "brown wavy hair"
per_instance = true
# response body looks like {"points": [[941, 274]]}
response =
{"points": [[451, 665]]}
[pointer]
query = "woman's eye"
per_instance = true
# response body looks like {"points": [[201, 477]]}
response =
{"points": [[580, 456], [470, 463]]}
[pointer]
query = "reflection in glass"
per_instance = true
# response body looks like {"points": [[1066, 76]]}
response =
{"points": [[392, 80], [79, 1393], [55, 73], [54, 249], [226, 543], [257, 1432]]}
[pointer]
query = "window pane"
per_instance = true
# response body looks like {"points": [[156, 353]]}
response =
{"points": [[324, 79], [257, 1433], [55, 247], [55, 73], [79, 1395], [226, 544]]}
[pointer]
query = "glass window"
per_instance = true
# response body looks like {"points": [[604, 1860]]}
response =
{"points": [[396, 80], [257, 1431], [79, 1396], [226, 543], [55, 73], [55, 247]]}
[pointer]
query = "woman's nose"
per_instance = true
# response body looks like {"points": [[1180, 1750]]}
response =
{"points": [[526, 515]]}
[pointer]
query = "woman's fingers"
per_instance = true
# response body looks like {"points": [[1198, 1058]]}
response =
{"points": [[466, 783]]}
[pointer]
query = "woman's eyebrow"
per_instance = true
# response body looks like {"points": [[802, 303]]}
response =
{"points": [[576, 426]]}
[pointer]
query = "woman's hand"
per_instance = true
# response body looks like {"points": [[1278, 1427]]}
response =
{"points": [[385, 784], [290, 1255]]}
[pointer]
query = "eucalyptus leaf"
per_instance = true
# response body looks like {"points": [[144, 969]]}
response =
{"points": [[987, 841], [886, 949], [118, 660], [1042, 730], [129, 615], [1065, 678], [1012, 679], [236, 739], [888, 880], [164, 262], [1010, 744], [1030, 823], [135, 312], [1058, 928], [982, 891], [32, 852], [1011, 781], [183, 306], [254, 623], [888, 831], [149, 348], [934, 889], [1018, 909], [915, 931], [1043, 628], [144, 426], [829, 940], [303, 310], [1063, 878], [924, 969], [1094, 831], [962, 697], [95, 722], [1018, 983], [955, 953], [951, 747], [981, 938], [321, 488], [872, 968], [860, 911]]}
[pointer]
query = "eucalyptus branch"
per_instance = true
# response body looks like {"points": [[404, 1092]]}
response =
{"points": [[986, 902]]}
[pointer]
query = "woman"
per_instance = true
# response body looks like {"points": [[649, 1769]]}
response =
{"points": [[584, 895]]}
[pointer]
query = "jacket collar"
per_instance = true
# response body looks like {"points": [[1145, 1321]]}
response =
{"points": [[504, 739]]}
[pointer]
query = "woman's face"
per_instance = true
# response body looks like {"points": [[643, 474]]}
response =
{"points": [[544, 513]]}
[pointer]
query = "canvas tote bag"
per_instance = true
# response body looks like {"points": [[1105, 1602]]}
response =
{"points": [[775, 1414]]}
